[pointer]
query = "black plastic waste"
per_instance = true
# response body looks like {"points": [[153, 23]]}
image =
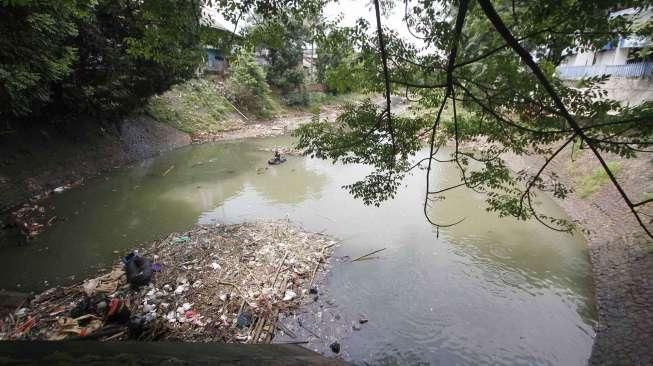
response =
{"points": [[335, 347], [136, 326], [139, 271], [244, 320], [128, 257], [81, 308]]}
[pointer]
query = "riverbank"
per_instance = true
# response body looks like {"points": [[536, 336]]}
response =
{"points": [[621, 256], [212, 283]]}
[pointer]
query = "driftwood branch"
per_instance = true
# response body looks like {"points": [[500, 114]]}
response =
{"points": [[368, 254]]}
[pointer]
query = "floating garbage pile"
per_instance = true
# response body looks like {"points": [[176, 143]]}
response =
{"points": [[31, 218], [213, 283]]}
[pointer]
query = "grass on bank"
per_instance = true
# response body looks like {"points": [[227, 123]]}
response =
{"points": [[194, 106], [590, 183], [197, 106]]}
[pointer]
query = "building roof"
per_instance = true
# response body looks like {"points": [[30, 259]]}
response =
{"points": [[209, 21], [220, 27]]}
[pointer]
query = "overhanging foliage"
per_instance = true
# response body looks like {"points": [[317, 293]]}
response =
{"points": [[496, 60]]}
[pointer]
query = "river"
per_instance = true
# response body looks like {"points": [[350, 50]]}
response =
{"points": [[489, 290]]}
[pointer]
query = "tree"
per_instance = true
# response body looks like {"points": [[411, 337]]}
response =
{"points": [[248, 86], [36, 51], [285, 33], [495, 59], [99, 58], [338, 64], [284, 39]]}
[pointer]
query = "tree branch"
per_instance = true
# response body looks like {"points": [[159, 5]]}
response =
{"points": [[386, 75], [539, 172], [497, 49], [641, 203], [420, 86], [498, 24], [500, 118], [460, 21]]}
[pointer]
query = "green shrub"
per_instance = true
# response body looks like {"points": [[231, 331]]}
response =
{"points": [[318, 97], [297, 98], [247, 85]]}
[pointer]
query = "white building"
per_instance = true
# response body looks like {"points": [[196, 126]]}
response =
{"points": [[619, 58], [630, 75]]}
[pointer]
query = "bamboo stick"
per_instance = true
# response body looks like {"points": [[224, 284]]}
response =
{"points": [[368, 254]]}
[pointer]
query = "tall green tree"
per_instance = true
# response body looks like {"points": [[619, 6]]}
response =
{"points": [[101, 58], [284, 35], [284, 39], [36, 51], [130, 50], [338, 64], [248, 86], [495, 59]]}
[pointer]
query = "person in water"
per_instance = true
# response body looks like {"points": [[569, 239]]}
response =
{"points": [[276, 158]]}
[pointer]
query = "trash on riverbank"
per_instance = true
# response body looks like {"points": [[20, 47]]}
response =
{"points": [[31, 218], [224, 284], [335, 347]]}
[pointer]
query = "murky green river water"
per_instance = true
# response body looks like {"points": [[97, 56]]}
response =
{"points": [[489, 290]]}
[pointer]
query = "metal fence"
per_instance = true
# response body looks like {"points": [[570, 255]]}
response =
{"points": [[638, 70]]}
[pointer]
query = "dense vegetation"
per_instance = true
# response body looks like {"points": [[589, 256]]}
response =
{"points": [[248, 87], [283, 40], [103, 59], [339, 66], [194, 106], [100, 58]]}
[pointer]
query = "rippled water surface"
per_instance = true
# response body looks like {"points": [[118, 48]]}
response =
{"points": [[489, 290]]}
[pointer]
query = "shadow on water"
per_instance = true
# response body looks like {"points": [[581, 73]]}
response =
{"points": [[489, 290]]}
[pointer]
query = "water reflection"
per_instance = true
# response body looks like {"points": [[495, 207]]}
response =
{"points": [[510, 253], [291, 183]]}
